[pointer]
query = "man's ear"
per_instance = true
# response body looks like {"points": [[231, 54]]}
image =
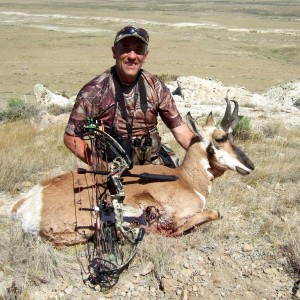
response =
{"points": [[113, 49], [146, 55]]}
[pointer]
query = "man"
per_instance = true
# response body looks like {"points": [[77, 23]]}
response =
{"points": [[127, 100]]}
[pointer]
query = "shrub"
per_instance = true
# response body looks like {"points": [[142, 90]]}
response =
{"points": [[18, 109], [57, 110], [167, 77], [243, 130], [272, 129], [15, 102]]}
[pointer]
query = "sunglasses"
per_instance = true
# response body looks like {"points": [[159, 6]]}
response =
{"points": [[130, 30]]}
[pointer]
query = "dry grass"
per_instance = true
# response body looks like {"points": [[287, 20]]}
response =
{"points": [[28, 154], [29, 261], [261, 208], [267, 201], [161, 254]]}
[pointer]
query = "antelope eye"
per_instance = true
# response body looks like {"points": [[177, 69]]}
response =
{"points": [[221, 139]]}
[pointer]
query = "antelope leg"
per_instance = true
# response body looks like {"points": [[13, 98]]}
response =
{"points": [[198, 219]]}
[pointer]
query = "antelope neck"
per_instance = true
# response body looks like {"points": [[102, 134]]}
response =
{"points": [[191, 170]]}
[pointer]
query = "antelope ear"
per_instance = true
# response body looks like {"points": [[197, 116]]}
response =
{"points": [[210, 120], [190, 121]]}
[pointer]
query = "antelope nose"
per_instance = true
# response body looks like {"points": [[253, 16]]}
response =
{"points": [[251, 165]]}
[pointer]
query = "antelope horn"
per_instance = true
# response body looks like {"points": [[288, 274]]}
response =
{"points": [[230, 120], [226, 121], [235, 117], [236, 108]]}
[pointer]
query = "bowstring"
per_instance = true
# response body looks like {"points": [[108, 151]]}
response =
{"points": [[95, 162], [80, 202]]}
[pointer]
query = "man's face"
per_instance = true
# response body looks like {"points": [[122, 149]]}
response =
{"points": [[130, 54]]}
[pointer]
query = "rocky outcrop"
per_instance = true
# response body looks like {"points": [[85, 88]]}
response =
{"points": [[44, 119], [200, 96], [285, 96], [192, 92], [44, 96]]}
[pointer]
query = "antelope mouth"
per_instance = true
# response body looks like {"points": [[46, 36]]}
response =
{"points": [[242, 171]]}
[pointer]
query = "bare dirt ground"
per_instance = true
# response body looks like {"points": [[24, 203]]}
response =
{"points": [[251, 44]]}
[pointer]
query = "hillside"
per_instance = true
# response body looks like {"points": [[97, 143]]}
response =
{"points": [[252, 253]]}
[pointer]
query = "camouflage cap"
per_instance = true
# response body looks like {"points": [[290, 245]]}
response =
{"points": [[129, 31]]}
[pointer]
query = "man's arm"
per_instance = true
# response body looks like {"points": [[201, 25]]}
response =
{"points": [[183, 135], [79, 147]]}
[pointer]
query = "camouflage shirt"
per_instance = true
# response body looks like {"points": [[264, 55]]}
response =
{"points": [[97, 99]]}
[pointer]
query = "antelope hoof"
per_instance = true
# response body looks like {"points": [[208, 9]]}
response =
{"points": [[219, 215]]}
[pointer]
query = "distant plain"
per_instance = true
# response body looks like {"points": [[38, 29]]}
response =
{"points": [[64, 44]]}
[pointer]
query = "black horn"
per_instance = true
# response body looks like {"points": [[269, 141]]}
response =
{"points": [[236, 108], [226, 121], [230, 120], [235, 115]]}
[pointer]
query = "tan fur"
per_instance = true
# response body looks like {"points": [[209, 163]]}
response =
{"points": [[175, 206]]}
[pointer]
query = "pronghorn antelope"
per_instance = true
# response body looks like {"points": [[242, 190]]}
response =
{"points": [[51, 208]]}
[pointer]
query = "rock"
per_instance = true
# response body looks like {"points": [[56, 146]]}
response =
{"points": [[149, 267], [200, 96], [44, 119], [247, 248], [136, 294], [44, 96], [200, 258], [187, 272], [152, 290], [193, 90], [185, 294], [297, 103], [109, 295], [270, 271], [284, 95], [128, 286], [217, 281], [97, 288], [68, 290], [168, 285]]}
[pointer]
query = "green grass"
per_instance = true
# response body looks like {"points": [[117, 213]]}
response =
{"points": [[18, 109]]}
